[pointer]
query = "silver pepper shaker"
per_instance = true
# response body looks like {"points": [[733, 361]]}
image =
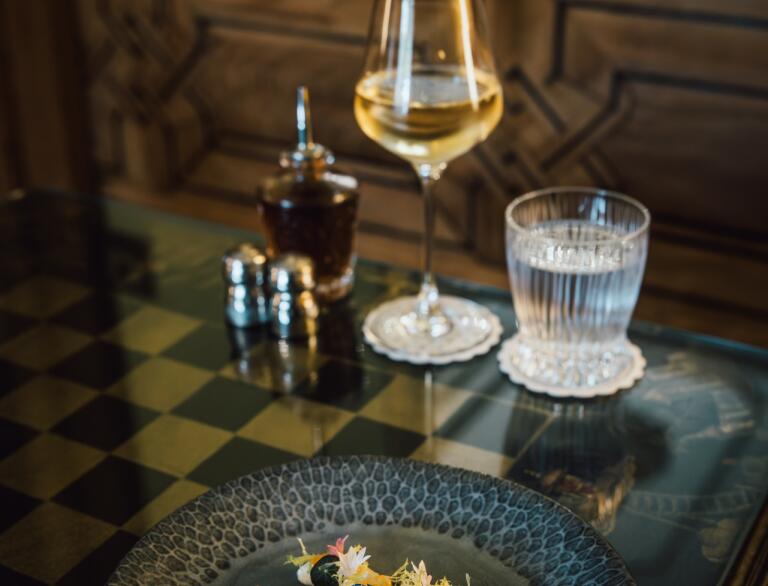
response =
{"points": [[294, 308], [245, 273]]}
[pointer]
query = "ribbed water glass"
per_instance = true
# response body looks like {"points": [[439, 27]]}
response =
{"points": [[576, 260]]}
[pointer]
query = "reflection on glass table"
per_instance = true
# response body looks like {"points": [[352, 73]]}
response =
{"points": [[123, 395]]}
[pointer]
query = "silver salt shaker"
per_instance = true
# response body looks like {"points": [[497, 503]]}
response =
{"points": [[294, 308], [245, 273]]}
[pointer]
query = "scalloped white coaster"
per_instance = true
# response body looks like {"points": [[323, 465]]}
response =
{"points": [[625, 380], [415, 354]]}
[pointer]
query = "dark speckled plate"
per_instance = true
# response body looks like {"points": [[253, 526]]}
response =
{"points": [[457, 521]]}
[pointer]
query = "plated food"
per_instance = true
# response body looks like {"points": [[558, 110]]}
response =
{"points": [[340, 565], [459, 522]]}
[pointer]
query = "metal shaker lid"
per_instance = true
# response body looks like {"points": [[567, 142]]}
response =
{"points": [[308, 155], [292, 273], [245, 264]]}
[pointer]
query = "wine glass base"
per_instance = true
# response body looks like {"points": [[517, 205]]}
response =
{"points": [[569, 374], [474, 330]]}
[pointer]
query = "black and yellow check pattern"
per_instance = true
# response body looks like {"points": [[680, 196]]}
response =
{"points": [[116, 411], [123, 396]]}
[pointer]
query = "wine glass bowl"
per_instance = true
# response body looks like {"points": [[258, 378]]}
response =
{"points": [[429, 93], [442, 122]]}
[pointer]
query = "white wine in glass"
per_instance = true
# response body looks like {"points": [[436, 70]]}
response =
{"points": [[443, 121], [428, 94]]}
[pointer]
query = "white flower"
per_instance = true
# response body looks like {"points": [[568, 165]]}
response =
{"points": [[421, 574], [351, 561], [303, 574]]}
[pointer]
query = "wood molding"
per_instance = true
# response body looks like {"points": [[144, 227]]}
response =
{"points": [[10, 166], [45, 130]]}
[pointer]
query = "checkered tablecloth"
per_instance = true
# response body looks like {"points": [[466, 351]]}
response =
{"points": [[123, 396]]}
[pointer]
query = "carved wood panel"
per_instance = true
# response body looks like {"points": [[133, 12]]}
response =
{"points": [[664, 99], [42, 111]]}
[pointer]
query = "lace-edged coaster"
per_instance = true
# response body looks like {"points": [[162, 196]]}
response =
{"points": [[447, 349], [624, 380]]}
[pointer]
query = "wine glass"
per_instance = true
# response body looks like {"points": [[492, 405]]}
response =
{"points": [[428, 94]]}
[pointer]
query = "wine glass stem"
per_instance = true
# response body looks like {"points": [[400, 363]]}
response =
{"points": [[428, 305]]}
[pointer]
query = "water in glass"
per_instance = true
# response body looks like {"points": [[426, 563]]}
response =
{"points": [[576, 264]]}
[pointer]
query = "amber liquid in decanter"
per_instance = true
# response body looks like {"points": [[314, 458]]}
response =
{"points": [[310, 207]]}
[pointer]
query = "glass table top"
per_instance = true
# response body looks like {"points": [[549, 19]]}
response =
{"points": [[123, 395]]}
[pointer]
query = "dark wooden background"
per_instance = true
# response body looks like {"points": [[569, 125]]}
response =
{"points": [[187, 103]]}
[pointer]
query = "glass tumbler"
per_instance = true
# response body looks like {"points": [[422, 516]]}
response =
{"points": [[576, 259]]}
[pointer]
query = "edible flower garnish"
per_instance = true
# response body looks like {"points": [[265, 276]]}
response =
{"points": [[304, 558], [338, 549], [417, 576], [354, 569], [351, 562], [351, 569], [421, 573]]}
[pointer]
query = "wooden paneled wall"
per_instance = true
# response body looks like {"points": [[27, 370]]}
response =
{"points": [[666, 100], [44, 126]]}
